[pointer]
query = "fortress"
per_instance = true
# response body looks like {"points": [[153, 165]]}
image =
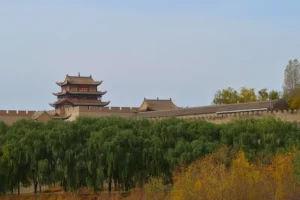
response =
{"points": [[79, 96]]}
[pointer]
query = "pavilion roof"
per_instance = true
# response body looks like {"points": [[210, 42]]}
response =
{"points": [[78, 92], [77, 80], [80, 102], [157, 105]]}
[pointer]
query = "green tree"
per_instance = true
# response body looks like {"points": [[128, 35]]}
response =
{"points": [[37, 157], [14, 154], [3, 130], [274, 95], [263, 94], [226, 96], [247, 95]]}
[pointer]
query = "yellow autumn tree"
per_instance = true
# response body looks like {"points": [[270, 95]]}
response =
{"points": [[155, 189], [215, 177], [282, 172], [247, 95], [204, 179]]}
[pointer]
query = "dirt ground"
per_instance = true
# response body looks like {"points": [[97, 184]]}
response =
{"points": [[65, 196], [135, 194]]}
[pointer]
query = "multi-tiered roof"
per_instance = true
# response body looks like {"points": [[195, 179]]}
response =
{"points": [[79, 91]]}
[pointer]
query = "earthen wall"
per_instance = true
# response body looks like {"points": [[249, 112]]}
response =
{"points": [[11, 116], [285, 115], [90, 111]]}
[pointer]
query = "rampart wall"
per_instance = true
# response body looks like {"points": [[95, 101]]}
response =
{"points": [[108, 109], [285, 115], [89, 111], [11, 116], [52, 112]]}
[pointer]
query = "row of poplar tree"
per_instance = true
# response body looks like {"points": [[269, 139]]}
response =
{"points": [[125, 153]]}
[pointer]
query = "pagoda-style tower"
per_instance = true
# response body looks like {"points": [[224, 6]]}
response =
{"points": [[79, 91]]}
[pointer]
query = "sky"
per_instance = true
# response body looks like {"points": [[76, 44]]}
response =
{"points": [[184, 50]]}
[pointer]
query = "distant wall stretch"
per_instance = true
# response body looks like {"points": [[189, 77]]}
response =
{"points": [[11, 116], [91, 111], [285, 115], [24, 113], [107, 109]]}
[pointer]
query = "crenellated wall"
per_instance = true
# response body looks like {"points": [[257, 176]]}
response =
{"points": [[108, 109], [90, 111], [285, 115], [11, 116], [52, 112]]}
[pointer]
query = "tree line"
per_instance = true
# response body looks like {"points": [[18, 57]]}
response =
{"points": [[230, 95], [125, 153], [290, 90]]}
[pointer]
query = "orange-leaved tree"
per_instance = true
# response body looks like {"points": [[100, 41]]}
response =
{"points": [[214, 177]]}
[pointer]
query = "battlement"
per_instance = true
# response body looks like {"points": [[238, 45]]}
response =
{"points": [[285, 115], [107, 109], [11, 116], [52, 112], [258, 113], [21, 113]]}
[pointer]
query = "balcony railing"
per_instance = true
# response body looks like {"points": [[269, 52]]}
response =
{"points": [[83, 90]]}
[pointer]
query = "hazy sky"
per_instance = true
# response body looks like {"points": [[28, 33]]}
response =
{"points": [[185, 50]]}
